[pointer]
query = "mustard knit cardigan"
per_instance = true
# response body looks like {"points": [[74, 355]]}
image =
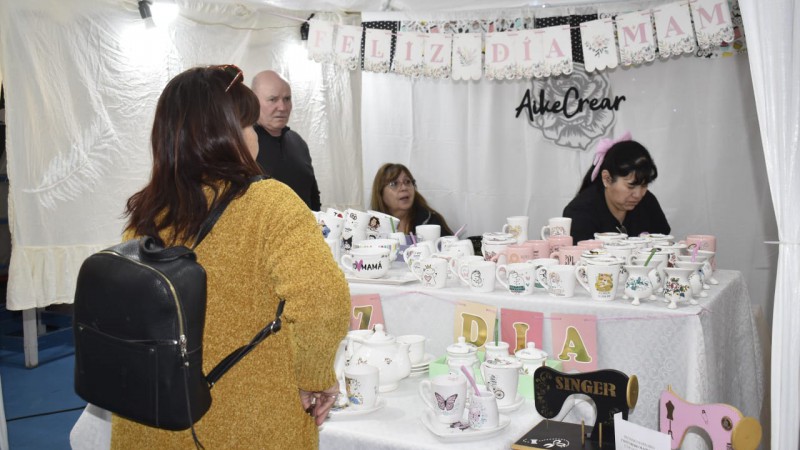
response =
{"points": [[265, 246]]}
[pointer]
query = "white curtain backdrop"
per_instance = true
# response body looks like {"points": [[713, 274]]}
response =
{"points": [[771, 29], [81, 81]]}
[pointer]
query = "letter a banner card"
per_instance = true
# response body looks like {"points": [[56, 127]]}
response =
{"points": [[365, 311], [520, 327], [575, 341], [474, 321]]}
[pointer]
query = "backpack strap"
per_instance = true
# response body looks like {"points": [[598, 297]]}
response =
{"points": [[217, 211], [226, 364]]}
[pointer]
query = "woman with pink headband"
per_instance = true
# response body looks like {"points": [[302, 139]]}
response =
{"points": [[614, 197]]}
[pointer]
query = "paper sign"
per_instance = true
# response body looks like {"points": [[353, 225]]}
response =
{"points": [[377, 50], [408, 53], [520, 327], [629, 436], [437, 58], [365, 311], [467, 56], [712, 22], [348, 46], [599, 45], [320, 40], [635, 37], [575, 341], [674, 30], [475, 322]]}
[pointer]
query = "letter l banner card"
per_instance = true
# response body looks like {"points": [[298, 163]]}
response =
{"points": [[575, 341], [474, 321]]}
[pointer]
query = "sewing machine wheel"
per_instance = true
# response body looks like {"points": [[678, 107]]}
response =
{"points": [[746, 434], [633, 391]]}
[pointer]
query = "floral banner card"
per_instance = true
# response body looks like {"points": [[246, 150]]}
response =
{"points": [[599, 45], [467, 56], [408, 53], [475, 322], [348, 46], [377, 50], [517, 328], [557, 49], [320, 40], [635, 37], [365, 311], [712, 22], [437, 59], [674, 29], [500, 62], [527, 52], [574, 341]]}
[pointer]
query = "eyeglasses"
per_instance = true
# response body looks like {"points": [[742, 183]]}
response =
{"points": [[409, 183], [233, 71]]}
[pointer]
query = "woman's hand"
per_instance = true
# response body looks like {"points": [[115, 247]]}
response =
{"points": [[319, 403]]}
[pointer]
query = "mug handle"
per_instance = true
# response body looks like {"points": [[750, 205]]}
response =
{"points": [[545, 236], [505, 228], [541, 276], [347, 262], [504, 268], [425, 392], [555, 255], [582, 277], [464, 277]]}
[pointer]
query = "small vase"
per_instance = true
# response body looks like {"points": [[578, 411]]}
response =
{"points": [[677, 286]]}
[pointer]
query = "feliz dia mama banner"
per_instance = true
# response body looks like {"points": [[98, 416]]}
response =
{"points": [[629, 39]]}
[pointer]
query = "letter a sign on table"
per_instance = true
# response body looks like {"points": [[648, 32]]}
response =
{"points": [[575, 341]]}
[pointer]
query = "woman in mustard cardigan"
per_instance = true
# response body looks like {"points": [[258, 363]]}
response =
{"points": [[266, 246]]}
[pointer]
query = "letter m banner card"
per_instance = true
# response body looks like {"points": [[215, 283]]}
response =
{"points": [[574, 341], [365, 311], [474, 321]]}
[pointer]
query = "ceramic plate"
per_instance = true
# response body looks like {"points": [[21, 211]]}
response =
{"points": [[426, 361], [350, 412], [418, 374], [456, 434], [514, 406], [391, 278]]}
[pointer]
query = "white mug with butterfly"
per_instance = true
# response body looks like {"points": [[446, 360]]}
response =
{"points": [[446, 395]]}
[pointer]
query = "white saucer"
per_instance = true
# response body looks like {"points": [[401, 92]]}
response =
{"points": [[426, 361], [456, 434], [348, 411], [418, 374], [512, 407]]}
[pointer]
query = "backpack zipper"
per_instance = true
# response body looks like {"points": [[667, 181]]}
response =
{"points": [[178, 308]]}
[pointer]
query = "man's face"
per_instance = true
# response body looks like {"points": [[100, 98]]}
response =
{"points": [[275, 97]]}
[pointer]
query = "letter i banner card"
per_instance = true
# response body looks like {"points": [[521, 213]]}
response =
{"points": [[517, 328], [365, 311], [574, 341], [474, 321]]}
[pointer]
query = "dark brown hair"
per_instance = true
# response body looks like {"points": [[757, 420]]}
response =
{"points": [[197, 142], [390, 172], [622, 159]]}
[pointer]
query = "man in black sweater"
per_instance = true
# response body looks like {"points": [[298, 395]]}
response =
{"points": [[282, 153]]}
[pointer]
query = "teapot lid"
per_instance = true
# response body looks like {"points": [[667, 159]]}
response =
{"points": [[461, 347], [531, 352], [497, 236], [380, 336]]}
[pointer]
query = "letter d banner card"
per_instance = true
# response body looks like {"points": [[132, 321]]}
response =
{"points": [[575, 341], [474, 321]]}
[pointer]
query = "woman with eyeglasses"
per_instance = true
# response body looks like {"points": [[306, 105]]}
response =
{"points": [[394, 192], [614, 195], [266, 246]]}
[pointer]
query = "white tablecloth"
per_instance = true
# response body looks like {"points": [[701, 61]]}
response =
{"points": [[709, 353]]}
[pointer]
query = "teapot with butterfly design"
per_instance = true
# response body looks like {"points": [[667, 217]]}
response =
{"points": [[384, 352]]}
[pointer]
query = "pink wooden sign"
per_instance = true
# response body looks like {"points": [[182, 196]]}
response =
{"points": [[519, 327], [365, 311], [575, 341]]}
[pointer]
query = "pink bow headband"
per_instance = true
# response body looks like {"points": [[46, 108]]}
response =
{"points": [[602, 149]]}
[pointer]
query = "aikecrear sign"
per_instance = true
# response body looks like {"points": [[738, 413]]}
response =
{"points": [[569, 105]]}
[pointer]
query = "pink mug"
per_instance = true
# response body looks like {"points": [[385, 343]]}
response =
{"points": [[557, 242], [568, 254], [541, 249], [519, 253], [590, 244]]}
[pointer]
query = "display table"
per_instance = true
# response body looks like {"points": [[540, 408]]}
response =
{"points": [[709, 353]]}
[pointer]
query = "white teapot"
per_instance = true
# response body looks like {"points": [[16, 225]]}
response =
{"points": [[384, 352]]}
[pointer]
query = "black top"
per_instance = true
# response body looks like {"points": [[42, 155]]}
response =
{"points": [[286, 158], [590, 215]]}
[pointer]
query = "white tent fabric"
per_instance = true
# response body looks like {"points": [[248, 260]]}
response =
{"points": [[82, 79], [775, 68]]}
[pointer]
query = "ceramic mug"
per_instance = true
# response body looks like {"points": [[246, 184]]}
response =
{"points": [[558, 279], [704, 242], [380, 225], [557, 226], [463, 248], [444, 243], [416, 346], [330, 224], [480, 276], [599, 280], [482, 412], [519, 253], [387, 244], [538, 264], [518, 278], [568, 254], [517, 227], [362, 385], [556, 242], [413, 254], [446, 396], [496, 351], [501, 376], [495, 251], [333, 244], [367, 262], [460, 266], [428, 233], [541, 248], [590, 244], [609, 236], [432, 272]]}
